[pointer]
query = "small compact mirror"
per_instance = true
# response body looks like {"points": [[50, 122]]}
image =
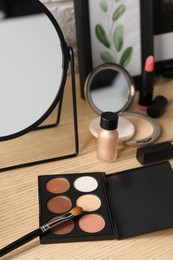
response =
{"points": [[109, 87]]}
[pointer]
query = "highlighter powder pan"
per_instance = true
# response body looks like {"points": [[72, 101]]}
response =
{"points": [[147, 129]]}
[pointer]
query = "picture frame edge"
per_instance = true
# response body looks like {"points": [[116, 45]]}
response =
{"points": [[84, 39]]}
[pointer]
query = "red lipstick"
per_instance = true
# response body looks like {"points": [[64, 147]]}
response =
{"points": [[146, 90]]}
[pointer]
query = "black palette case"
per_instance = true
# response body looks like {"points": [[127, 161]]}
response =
{"points": [[142, 199], [133, 202]]}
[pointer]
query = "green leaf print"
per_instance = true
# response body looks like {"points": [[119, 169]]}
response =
{"points": [[103, 6], [101, 35], [107, 57], [126, 57], [118, 12], [118, 37]]}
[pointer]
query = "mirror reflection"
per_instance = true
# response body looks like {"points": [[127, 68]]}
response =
{"points": [[109, 88], [31, 67], [34, 62]]}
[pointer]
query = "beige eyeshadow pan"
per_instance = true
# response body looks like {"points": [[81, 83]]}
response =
{"points": [[89, 202], [58, 185], [59, 204]]}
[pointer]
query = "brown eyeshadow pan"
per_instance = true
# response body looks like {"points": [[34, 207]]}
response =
{"points": [[59, 204], [64, 228], [58, 185]]}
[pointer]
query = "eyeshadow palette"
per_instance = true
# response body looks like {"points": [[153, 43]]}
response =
{"points": [[60, 193], [118, 205]]}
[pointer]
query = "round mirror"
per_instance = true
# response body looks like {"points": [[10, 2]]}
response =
{"points": [[109, 87], [29, 93]]}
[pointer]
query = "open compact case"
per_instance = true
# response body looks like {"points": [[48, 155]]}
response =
{"points": [[117, 205], [110, 87]]}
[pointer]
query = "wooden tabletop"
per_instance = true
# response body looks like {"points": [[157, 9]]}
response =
{"points": [[19, 189]]}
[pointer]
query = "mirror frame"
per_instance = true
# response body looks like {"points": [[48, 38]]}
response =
{"points": [[101, 68], [68, 59], [65, 60]]}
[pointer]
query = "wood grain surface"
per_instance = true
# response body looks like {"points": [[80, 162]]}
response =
{"points": [[19, 192]]}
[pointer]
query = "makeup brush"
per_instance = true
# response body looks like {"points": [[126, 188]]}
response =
{"points": [[41, 230]]}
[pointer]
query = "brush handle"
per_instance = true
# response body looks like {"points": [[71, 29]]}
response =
{"points": [[21, 241]]}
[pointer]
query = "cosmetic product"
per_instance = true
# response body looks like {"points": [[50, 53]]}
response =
{"points": [[52, 224], [146, 90], [126, 129], [155, 153], [109, 87], [115, 206], [147, 129], [107, 143], [157, 107], [133, 129]]}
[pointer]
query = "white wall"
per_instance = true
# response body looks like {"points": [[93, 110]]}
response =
{"points": [[63, 11]]}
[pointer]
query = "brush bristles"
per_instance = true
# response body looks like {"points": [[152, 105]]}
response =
{"points": [[76, 211]]}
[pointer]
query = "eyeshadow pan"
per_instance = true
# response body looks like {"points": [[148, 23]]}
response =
{"points": [[63, 228], [59, 204], [91, 223], [58, 185], [89, 202], [85, 184]]}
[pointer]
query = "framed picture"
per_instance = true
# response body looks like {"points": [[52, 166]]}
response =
{"points": [[113, 31], [163, 35]]}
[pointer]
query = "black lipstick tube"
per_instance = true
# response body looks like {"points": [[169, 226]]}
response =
{"points": [[155, 153], [146, 90]]}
